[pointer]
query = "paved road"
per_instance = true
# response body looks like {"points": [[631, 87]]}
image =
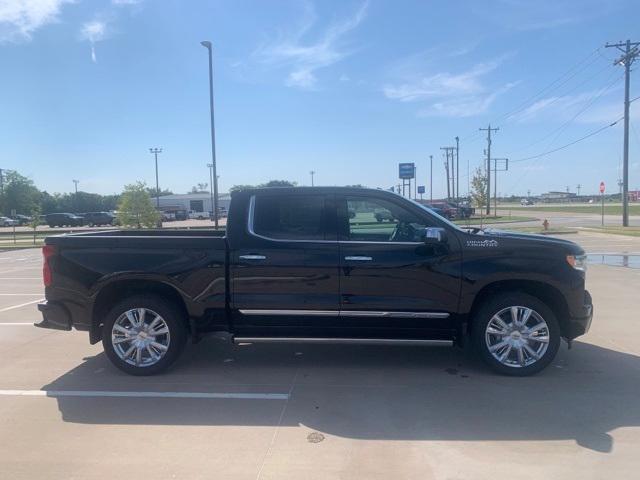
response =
{"points": [[317, 412], [568, 219]]}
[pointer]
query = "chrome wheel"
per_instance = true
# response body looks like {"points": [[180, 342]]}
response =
{"points": [[517, 336], [140, 337]]}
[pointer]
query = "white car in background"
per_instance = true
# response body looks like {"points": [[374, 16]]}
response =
{"points": [[199, 215], [7, 222]]}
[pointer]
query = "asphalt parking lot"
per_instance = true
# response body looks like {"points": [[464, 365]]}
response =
{"points": [[320, 411]]}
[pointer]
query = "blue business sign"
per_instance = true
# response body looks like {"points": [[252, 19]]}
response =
{"points": [[406, 170], [421, 189]]}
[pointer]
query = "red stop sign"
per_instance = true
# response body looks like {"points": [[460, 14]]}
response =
{"points": [[601, 187]]}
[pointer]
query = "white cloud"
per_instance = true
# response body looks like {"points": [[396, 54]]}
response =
{"points": [[94, 31], [19, 19], [304, 59], [447, 94]]}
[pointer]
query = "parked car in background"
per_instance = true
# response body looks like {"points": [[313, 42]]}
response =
{"points": [[199, 215], [526, 202], [447, 210], [7, 222], [383, 215], [98, 219], [22, 219], [64, 220]]}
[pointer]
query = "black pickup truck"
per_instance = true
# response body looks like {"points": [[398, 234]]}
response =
{"points": [[315, 265]]}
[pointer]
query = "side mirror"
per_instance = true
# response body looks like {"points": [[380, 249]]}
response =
{"points": [[435, 235]]}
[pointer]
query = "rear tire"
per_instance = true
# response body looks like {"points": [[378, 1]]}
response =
{"points": [[144, 334], [516, 334]]}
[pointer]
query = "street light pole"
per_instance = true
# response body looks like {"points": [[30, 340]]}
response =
{"points": [[209, 48], [210, 165], [312, 172], [75, 182], [155, 152]]}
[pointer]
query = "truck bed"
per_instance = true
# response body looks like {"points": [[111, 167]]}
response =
{"points": [[178, 238]]}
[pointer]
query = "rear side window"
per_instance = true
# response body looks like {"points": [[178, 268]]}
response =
{"points": [[290, 217]]}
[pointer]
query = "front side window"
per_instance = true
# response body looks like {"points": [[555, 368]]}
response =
{"points": [[290, 217], [377, 220]]}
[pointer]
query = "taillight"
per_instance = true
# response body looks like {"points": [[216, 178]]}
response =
{"points": [[48, 251]]}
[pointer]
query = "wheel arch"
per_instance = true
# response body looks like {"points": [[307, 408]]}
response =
{"points": [[548, 294], [118, 290]]}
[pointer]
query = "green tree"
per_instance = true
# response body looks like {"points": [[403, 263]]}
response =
{"points": [[479, 188], [199, 188], [19, 193], [136, 208], [279, 183], [35, 220]]}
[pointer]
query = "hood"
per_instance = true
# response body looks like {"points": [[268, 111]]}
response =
{"points": [[569, 247]]}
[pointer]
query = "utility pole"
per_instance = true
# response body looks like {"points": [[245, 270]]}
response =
{"points": [[312, 172], [431, 177], [630, 52], [155, 152], [415, 183], [1, 182], [209, 47], [578, 187], [457, 194], [448, 169], [488, 130]]}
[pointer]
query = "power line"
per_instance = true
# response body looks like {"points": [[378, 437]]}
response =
{"points": [[569, 144], [589, 103]]}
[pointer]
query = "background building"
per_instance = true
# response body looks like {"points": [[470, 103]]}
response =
{"points": [[193, 202]]}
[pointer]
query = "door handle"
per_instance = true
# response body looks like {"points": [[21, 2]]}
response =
{"points": [[358, 258], [252, 257]]}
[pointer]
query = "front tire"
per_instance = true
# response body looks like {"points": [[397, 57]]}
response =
{"points": [[144, 334], [516, 334]]}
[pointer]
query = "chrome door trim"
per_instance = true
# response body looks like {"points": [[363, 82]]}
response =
{"points": [[349, 341], [358, 258], [252, 257], [315, 313], [344, 313], [366, 313]]}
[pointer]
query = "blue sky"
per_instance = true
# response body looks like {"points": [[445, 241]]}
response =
{"points": [[346, 88]]}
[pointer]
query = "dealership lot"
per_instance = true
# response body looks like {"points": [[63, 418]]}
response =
{"points": [[316, 411]]}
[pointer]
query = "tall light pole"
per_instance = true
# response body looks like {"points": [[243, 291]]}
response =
{"points": [[75, 184], [209, 48], [210, 165], [312, 172], [155, 152]]}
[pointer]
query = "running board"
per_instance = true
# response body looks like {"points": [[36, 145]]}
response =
{"points": [[347, 341]]}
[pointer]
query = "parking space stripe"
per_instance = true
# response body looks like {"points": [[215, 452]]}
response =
{"points": [[15, 324], [19, 294], [117, 394], [13, 307]]}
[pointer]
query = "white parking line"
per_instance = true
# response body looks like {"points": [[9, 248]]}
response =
{"points": [[20, 278], [15, 324], [12, 307], [19, 294], [104, 393]]}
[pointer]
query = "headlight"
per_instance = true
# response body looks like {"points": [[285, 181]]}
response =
{"points": [[579, 262]]}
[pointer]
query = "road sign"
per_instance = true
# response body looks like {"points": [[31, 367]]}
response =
{"points": [[406, 171], [421, 189], [601, 187]]}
